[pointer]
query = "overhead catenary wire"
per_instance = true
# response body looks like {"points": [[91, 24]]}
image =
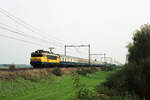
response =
{"points": [[5, 36], [32, 29], [77, 51], [18, 32], [22, 34], [27, 26], [40, 36], [23, 23]]}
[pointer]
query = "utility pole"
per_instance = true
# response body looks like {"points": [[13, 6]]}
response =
{"points": [[104, 57], [89, 55], [65, 48]]}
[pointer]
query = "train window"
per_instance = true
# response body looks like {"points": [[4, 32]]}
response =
{"points": [[52, 57], [36, 55]]}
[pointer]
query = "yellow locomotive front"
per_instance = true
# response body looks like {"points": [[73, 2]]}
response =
{"points": [[42, 58]]}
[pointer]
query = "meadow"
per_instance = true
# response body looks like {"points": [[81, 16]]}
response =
{"points": [[52, 88]]}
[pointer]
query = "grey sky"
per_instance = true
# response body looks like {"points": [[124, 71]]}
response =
{"points": [[107, 25]]}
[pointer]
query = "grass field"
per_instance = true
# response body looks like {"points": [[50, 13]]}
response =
{"points": [[54, 88], [1, 67]]}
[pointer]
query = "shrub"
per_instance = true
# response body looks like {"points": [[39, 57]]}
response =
{"points": [[85, 94], [82, 71], [93, 69], [113, 94], [57, 71], [133, 78], [108, 67], [105, 90], [76, 80]]}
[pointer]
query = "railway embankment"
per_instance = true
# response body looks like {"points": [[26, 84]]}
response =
{"points": [[29, 73]]}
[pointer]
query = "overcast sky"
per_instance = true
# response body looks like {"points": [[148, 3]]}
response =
{"points": [[107, 25]]}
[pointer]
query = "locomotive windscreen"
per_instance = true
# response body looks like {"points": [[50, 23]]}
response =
{"points": [[52, 57], [36, 55]]}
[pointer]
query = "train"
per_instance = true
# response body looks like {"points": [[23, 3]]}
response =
{"points": [[41, 58]]}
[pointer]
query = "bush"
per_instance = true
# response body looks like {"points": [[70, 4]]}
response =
{"points": [[133, 78], [85, 94], [12, 66], [84, 71], [108, 67], [93, 69], [76, 80], [105, 90], [113, 94], [57, 71]]}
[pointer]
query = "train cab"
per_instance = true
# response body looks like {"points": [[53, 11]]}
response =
{"points": [[42, 58]]}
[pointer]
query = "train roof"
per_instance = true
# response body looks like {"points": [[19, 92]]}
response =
{"points": [[45, 52], [71, 57], [61, 55]]}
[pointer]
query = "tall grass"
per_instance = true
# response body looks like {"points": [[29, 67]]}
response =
{"points": [[26, 74]]}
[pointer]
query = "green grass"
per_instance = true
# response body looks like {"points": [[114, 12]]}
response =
{"points": [[55, 88], [3, 67]]}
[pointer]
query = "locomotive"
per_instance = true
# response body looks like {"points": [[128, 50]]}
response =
{"points": [[41, 58]]}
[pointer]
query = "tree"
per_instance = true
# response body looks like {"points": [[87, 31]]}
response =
{"points": [[139, 49], [134, 77]]}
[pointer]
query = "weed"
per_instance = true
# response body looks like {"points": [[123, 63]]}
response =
{"points": [[76, 80]]}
